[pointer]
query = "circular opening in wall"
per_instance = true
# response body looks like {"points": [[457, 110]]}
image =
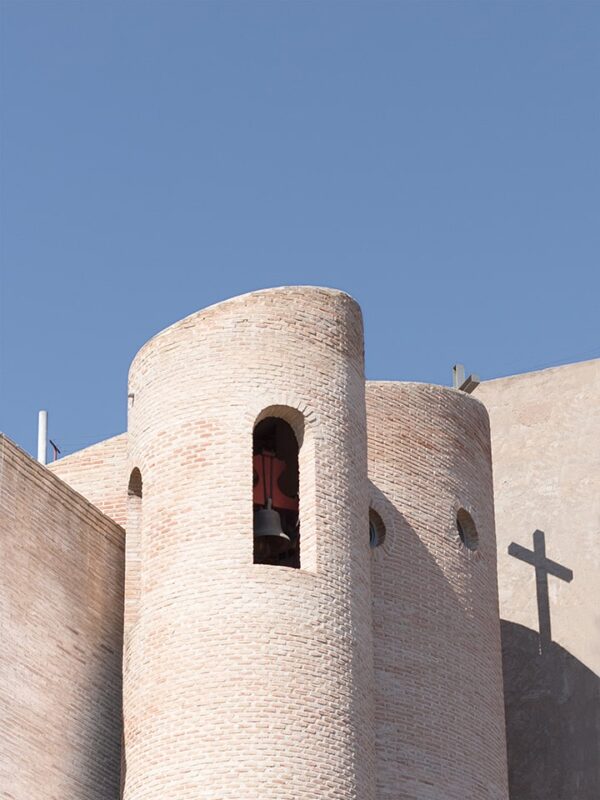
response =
{"points": [[376, 529], [467, 530]]}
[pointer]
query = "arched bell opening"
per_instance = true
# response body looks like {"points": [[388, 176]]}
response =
{"points": [[276, 480]]}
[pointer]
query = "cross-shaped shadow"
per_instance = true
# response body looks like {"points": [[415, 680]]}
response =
{"points": [[543, 567]]}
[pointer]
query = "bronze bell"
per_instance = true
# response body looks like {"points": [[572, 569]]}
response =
{"points": [[269, 537]]}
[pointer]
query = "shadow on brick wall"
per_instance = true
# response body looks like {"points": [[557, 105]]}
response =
{"points": [[98, 760], [433, 732], [552, 719]]}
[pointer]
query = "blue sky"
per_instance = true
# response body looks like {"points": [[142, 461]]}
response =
{"points": [[440, 161]]}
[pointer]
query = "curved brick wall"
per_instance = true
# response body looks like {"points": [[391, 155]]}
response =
{"points": [[243, 680], [439, 708], [99, 473]]}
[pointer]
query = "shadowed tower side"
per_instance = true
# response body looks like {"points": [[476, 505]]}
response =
{"points": [[438, 697]]}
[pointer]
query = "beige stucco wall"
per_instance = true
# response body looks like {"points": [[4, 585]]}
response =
{"points": [[246, 680], [439, 705], [546, 456], [61, 606], [99, 473]]}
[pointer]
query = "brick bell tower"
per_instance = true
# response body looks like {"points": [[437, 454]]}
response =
{"points": [[248, 630]]}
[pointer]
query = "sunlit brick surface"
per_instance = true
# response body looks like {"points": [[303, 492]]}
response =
{"points": [[439, 711], [99, 473], [368, 674], [250, 681], [61, 615]]}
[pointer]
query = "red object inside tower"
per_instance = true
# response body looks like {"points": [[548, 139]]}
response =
{"points": [[268, 470]]}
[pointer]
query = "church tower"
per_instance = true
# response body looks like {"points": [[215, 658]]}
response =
{"points": [[248, 651], [311, 602]]}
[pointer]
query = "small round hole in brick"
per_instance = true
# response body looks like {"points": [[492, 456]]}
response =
{"points": [[376, 529], [467, 529]]}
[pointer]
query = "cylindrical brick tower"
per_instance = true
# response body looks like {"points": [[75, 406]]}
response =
{"points": [[438, 670], [248, 680]]}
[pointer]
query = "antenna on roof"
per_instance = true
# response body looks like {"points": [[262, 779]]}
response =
{"points": [[460, 382]]}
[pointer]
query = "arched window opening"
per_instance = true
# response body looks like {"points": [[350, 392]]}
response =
{"points": [[135, 484], [275, 494], [133, 548], [376, 529], [466, 529]]}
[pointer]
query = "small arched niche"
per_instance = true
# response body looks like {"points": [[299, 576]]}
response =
{"points": [[135, 484], [376, 529], [276, 485], [133, 535], [467, 529]]}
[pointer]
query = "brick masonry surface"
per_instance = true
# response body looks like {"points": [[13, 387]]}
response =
{"points": [[245, 680], [99, 473], [368, 674], [61, 606], [438, 680]]}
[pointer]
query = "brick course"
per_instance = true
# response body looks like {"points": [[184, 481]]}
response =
{"points": [[438, 680], [247, 680], [61, 607], [367, 674], [99, 473]]}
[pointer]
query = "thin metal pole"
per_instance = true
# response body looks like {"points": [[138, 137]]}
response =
{"points": [[42, 436]]}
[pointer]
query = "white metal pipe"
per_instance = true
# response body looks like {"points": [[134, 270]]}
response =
{"points": [[42, 436]]}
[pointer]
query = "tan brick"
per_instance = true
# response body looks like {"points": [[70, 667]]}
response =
{"points": [[247, 680], [61, 616], [438, 680]]}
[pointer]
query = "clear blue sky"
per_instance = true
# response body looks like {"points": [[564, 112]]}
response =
{"points": [[440, 161]]}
